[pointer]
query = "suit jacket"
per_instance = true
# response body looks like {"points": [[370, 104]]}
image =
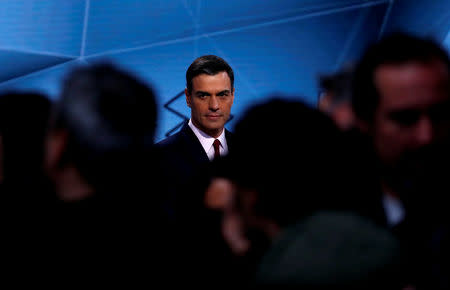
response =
{"points": [[183, 164]]}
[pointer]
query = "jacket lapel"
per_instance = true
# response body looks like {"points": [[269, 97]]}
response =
{"points": [[193, 145]]}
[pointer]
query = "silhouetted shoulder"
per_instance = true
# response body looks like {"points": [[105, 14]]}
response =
{"points": [[173, 139]]}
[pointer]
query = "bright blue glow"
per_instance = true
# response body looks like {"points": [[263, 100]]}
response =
{"points": [[50, 26]]}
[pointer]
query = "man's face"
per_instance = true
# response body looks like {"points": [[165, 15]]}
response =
{"points": [[210, 101], [413, 113]]}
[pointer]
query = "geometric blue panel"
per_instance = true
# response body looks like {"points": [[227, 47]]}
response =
{"points": [[279, 57], [288, 57], [118, 24], [114, 26], [365, 30], [420, 17], [52, 26], [15, 64], [47, 81], [239, 13]]}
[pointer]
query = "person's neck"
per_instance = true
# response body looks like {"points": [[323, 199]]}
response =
{"points": [[70, 186], [215, 134]]}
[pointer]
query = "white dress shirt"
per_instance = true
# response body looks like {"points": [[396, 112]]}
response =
{"points": [[394, 210], [207, 141]]}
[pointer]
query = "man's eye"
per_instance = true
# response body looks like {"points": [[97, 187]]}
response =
{"points": [[405, 118], [223, 95]]}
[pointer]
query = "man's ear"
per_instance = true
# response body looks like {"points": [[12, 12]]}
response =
{"points": [[188, 97], [232, 96], [55, 145]]}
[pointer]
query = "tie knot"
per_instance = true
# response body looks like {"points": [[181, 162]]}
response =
{"points": [[216, 145]]}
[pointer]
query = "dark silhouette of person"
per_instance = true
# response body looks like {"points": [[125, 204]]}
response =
{"points": [[401, 98], [101, 218]]}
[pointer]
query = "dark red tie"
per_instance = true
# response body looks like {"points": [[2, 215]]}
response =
{"points": [[216, 145]]}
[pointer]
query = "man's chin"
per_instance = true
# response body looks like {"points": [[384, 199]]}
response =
{"points": [[214, 126], [408, 175], [213, 130]]}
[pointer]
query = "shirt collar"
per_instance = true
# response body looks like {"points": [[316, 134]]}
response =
{"points": [[394, 209], [206, 140]]}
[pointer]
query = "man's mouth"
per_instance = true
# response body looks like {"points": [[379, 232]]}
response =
{"points": [[213, 116]]}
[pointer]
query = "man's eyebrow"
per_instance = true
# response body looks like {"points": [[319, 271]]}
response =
{"points": [[202, 93], [224, 91]]}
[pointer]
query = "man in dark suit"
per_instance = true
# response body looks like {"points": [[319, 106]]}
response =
{"points": [[102, 192], [210, 94]]}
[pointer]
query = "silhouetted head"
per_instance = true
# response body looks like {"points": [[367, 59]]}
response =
{"points": [[103, 124], [401, 96]]}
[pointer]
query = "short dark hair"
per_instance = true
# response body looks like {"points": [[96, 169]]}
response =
{"points": [[327, 161], [340, 83], [396, 48], [110, 117], [210, 65], [274, 180]]}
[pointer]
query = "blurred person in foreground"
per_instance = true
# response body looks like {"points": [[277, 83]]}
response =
{"points": [[103, 191], [401, 98]]}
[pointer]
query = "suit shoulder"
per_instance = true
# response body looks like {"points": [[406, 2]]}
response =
{"points": [[229, 136], [174, 140], [167, 141]]}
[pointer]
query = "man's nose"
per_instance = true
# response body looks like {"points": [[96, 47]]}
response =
{"points": [[213, 103], [424, 134]]}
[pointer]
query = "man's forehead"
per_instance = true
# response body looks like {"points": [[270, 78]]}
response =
{"points": [[412, 84], [426, 70], [220, 79]]}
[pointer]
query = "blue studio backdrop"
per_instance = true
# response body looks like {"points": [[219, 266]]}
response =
{"points": [[274, 46]]}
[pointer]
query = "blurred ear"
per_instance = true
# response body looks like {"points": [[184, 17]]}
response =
{"points": [[55, 145], [188, 97]]}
